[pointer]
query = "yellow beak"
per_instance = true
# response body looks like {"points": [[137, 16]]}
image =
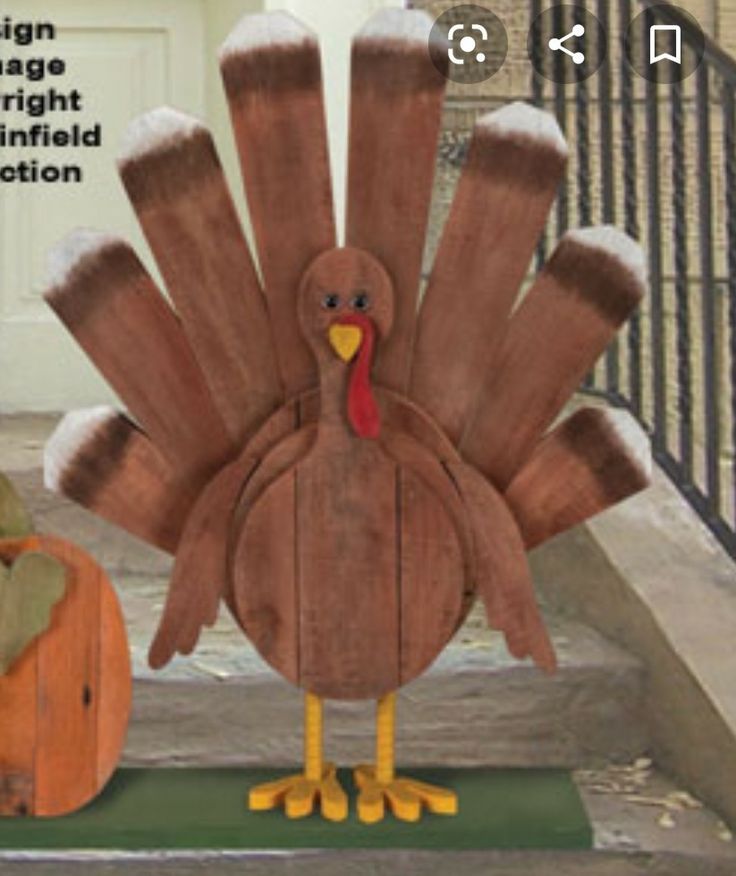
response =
{"points": [[345, 340]]}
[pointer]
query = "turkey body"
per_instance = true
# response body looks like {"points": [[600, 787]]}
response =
{"points": [[347, 572]]}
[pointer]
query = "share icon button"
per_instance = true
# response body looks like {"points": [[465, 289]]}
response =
{"points": [[566, 43], [557, 44]]}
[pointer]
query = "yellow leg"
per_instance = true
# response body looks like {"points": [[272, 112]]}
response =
{"points": [[298, 794], [378, 784]]}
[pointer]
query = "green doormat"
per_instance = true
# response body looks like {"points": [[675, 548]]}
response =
{"points": [[205, 809]]}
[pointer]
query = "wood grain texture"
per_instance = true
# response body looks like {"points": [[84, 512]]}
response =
{"points": [[265, 572], [115, 692], [347, 554], [201, 577], [111, 305], [275, 96], [178, 190], [437, 554], [411, 455], [432, 575], [578, 470], [506, 189], [502, 574], [117, 473], [56, 750], [567, 320], [395, 112], [263, 555], [68, 675], [309, 595], [401, 415]]}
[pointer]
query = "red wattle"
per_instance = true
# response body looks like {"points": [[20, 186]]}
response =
{"points": [[362, 408]]}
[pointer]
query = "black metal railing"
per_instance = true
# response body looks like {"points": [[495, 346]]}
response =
{"points": [[659, 159]]}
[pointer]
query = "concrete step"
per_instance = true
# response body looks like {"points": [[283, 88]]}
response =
{"points": [[474, 707]]}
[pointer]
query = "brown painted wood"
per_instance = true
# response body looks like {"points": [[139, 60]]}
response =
{"points": [[201, 576], [401, 415], [54, 749], [113, 470], [263, 543], [347, 554], [580, 469], [347, 520], [433, 576], [411, 455], [264, 570], [436, 547], [274, 90], [111, 305], [177, 187], [567, 320], [395, 113], [265, 583], [502, 572], [506, 189], [200, 570]]}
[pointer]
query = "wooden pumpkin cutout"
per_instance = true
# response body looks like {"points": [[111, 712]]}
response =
{"points": [[384, 466], [65, 696]]}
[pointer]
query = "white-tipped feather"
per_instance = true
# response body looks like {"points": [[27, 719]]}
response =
{"points": [[398, 25], [73, 432], [265, 30], [149, 131], [615, 242], [523, 119], [632, 436], [64, 256]]}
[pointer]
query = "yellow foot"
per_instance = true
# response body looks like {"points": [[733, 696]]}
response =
{"points": [[298, 795], [404, 796]]}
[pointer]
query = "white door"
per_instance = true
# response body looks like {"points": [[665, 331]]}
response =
{"points": [[125, 56]]}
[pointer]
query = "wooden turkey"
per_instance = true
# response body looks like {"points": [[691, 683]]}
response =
{"points": [[344, 469]]}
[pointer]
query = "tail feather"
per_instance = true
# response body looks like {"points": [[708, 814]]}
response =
{"points": [[515, 162], [102, 461], [395, 115], [170, 168], [590, 286], [593, 460], [272, 73], [107, 300]]}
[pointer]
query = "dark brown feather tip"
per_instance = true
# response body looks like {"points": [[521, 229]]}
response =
{"points": [[516, 159], [275, 69], [613, 285], [620, 468], [169, 170], [92, 279], [395, 67], [87, 472]]}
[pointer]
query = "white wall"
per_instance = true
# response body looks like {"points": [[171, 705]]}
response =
{"points": [[129, 56], [335, 22]]}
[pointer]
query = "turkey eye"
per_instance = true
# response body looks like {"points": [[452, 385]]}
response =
{"points": [[331, 301], [361, 302]]}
